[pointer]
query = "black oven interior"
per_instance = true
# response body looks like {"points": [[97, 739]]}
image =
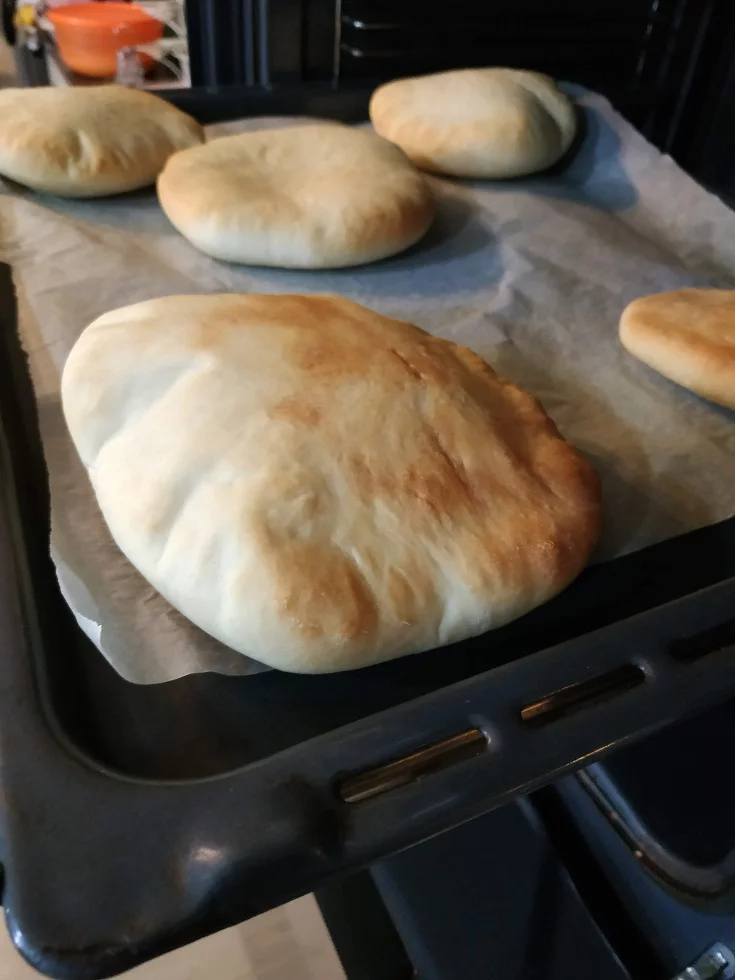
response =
{"points": [[665, 64]]}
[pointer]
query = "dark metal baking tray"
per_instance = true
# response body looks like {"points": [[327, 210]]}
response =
{"points": [[135, 819]]}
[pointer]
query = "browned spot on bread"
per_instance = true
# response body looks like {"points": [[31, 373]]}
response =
{"points": [[473, 362], [425, 363], [432, 479], [414, 372], [324, 593], [363, 476], [410, 593], [456, 477], [295, 410], [313, 312], [331, 363]]}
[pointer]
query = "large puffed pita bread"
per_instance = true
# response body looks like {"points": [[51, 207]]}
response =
{"points": [[89, 141], [318, 486], [479, 122], [302, 197], [687, 335]]}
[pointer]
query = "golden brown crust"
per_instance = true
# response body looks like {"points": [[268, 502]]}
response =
{"points": [[687, 335], [313, 196], [319, 486], [87, 142], [480, 122]]}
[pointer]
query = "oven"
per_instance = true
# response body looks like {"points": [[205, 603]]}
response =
{"points": [[664, 63]]}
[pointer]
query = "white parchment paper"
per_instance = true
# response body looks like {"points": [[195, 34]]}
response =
{"points": [[533, 274]]}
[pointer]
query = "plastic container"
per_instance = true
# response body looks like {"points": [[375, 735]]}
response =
{"points": [[89, 35]]}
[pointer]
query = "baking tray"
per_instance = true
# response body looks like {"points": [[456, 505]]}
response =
{"points": [[136, 819]]}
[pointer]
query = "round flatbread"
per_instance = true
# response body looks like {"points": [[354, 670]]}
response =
{"points": [[89, 142], [481, 122], [318, 486], [303, 197], [688, 336]]}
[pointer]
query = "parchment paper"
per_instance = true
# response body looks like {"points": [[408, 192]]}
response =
{"points": [[533, 274]]}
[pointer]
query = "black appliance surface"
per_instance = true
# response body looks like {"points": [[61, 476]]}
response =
{"points": [[135, 819], [670, 800], [686, 803], [601, 45], [658, 918], [7, 14], [492, 901]]}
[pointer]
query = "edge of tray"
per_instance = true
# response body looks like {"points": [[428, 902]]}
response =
{"points": [[210, 853]]}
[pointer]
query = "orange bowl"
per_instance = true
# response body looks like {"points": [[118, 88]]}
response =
{"points": [[88, 35]]}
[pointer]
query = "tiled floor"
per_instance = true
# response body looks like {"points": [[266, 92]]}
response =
{"points": [[290, 943]]}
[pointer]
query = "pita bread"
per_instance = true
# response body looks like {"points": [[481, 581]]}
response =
{"points": [[89, 142], [318, 486], [302, 197], [688, 336], [482, 122]]}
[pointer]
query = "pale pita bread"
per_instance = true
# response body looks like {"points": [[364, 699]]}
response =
{"points": [[318, 486], [480, 122], [89, 141], [302, 197], [688, 336]]}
